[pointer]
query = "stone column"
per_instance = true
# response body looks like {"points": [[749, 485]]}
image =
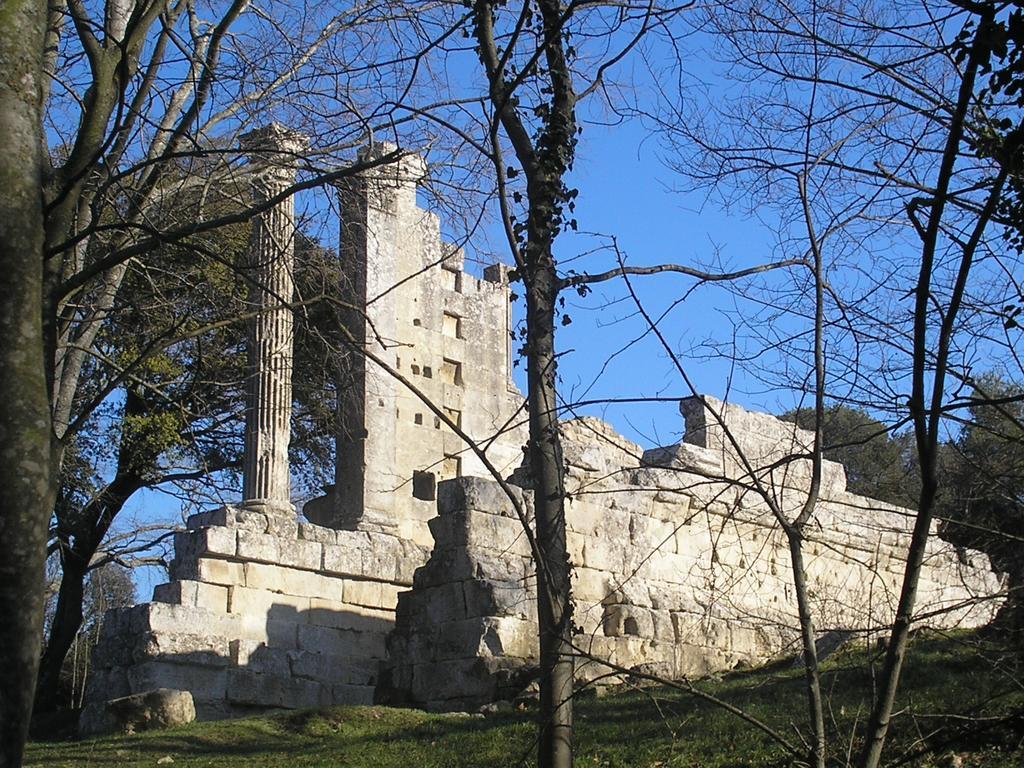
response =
{"points": [[379, 219], [268, 403]]}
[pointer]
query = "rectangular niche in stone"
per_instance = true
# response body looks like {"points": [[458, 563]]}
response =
{"points": [[451, 372], [452, 326], [424, 485], [451, 467]]}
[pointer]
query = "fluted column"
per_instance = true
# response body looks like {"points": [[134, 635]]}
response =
{"points": [[265, 472]]}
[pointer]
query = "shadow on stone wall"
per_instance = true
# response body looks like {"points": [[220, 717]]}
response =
{"points": [[238, 664]]}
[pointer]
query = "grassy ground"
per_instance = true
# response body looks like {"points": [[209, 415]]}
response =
{"points": [[962, 705]]}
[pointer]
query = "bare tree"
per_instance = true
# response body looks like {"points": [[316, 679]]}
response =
{"points": [[881, 122], [545, 159]]}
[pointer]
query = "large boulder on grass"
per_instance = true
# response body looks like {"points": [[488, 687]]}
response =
{"points": [[159, 708]]}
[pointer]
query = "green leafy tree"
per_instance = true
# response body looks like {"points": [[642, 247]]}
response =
{"points": [[175, 423], [879, 463], [984, 506]]}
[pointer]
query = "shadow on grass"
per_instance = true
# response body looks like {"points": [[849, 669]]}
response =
{"points": [[953, 696]]}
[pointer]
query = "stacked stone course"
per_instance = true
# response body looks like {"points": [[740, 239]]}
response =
{"points": [[680, 570], [261, 613]]}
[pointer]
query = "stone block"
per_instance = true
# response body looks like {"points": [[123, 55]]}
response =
{"points": [[208, 570], [339, 615], [255, 689], [435, 682], [290, 581], [215, 541], [591, 585], [457, 564], [261, 602], [474, 493], [182, 648], [229, 516], [259, 657], [307, 555], [341, 642], [372, 594], [346, 557], [382, 559], [284, 526], [585, 518], [193, 593], [205, 683], [258, 547], [334, 669], [164, 617], [279, 632], [441, 642], [606, 554], [480, 531], [317, 533], [492, 598]]}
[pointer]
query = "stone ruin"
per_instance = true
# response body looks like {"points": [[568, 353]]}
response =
{"points": [[412, 582]]}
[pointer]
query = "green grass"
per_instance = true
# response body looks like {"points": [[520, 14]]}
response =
{"points": [[960, 697]]}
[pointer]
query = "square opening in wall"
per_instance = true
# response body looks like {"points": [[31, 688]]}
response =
{"points": [[451, 279], [455, 416], [418, 418], [451, 372], [451, 467], [452, 326], [424, 486], [427, 372]]}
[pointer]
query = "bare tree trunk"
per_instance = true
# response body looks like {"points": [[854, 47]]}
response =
{"points": [[26, 460], [926, 408], [812, 673], [545, 158], [554, 607], [67, 620]]}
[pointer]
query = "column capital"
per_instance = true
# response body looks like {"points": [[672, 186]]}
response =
{"points": [[274, 148]]}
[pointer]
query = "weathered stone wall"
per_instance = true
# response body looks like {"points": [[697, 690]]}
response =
{"points": [[444, 330], [261, 613], [676, 570]]}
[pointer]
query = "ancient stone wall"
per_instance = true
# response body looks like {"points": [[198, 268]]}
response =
{"points": [[261, 613], [677, 570]]}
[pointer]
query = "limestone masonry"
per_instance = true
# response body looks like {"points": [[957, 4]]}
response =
{"points": [[413, 583]]}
